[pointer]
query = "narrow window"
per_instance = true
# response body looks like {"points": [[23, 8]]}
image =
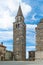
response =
{"points": [[16, 25]]}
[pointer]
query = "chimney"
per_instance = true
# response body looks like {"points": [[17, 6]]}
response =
{"points": [[1, 43]]}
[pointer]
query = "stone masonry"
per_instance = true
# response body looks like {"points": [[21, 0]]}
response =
{"points": [[39, 40], [19, 37]]}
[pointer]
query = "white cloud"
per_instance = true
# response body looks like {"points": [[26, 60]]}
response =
{"points": [[8, 10], [33, 17], [30, 26], [6, 21], [5, 36], [26, 9]]}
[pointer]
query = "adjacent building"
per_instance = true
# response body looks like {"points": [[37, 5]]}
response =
{"points": [[9, 56], [31, 55], [2, 52], [19, 37], [39, 40], [5, 55]]}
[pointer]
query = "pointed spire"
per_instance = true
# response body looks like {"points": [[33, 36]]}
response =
{"points": [[19, 11]]}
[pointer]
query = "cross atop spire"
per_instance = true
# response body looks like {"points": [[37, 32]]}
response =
{"points": [[19, 13]]}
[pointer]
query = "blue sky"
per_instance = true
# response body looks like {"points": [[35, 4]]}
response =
{"points": [[32, 11]]}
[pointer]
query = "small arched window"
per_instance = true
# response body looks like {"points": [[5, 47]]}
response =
{"points": [[17, 25]]}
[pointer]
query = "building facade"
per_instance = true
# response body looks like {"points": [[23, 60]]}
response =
{"points": [[31, 55], [9, 56], [2, 52], [19, 37], [5, 55], [39, 40]]}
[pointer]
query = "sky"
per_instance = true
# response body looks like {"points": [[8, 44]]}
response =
{"points": [[32, 11]]}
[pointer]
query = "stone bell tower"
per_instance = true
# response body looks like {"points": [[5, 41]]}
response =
{"points": [[19, 37]]}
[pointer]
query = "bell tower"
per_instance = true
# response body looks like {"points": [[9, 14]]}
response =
{"points": [[19, 37]]}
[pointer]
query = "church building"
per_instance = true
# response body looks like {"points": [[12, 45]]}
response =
{"points": [[19, 37]]}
